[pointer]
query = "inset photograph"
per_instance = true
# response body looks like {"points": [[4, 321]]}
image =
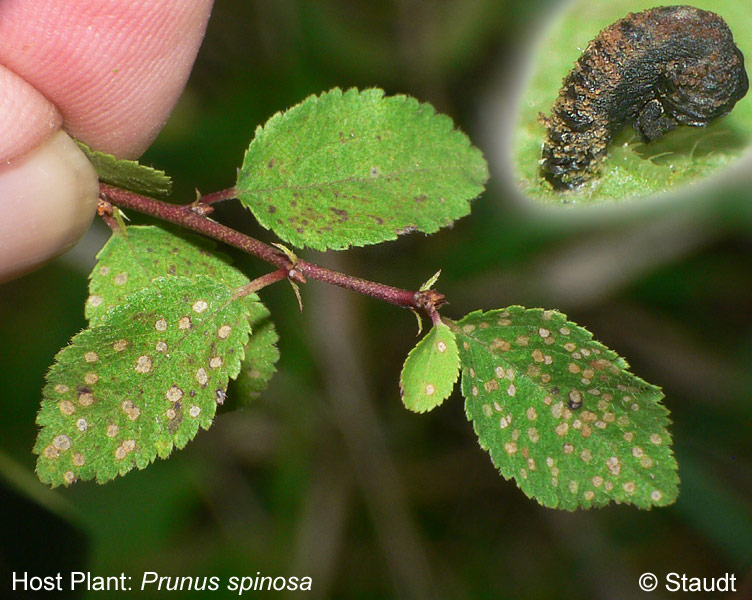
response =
{"points": [[625, 100]]}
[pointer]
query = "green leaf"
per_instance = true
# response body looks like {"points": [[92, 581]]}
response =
{"points": [[142, 381], [130, 260], [633, 169], [430, 371], [561, 414], [261, 354], [128, 174], [358, 168]]}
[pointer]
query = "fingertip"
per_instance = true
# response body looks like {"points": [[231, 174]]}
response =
{"points": [[26, 117], [48, 198]]}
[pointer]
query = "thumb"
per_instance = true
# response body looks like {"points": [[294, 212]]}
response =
{"points": [[48, 190]]}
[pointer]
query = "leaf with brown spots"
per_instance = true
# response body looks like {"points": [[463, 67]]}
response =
{"points": [[131, 259], [431, 370], [141, 381], [357, 167], [561, 414]]}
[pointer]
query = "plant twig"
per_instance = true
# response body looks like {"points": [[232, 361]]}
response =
{"points": [[227, 194], [297, 271], [259, 283]]}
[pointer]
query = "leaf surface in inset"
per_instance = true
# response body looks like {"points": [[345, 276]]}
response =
{"points": [[128, 174], [430, 370], [357, 168], [561, 414], [142, 381]]}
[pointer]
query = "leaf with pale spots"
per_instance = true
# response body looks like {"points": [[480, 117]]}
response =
{"points": [[140, 382], [261, 355], [561, 414], [128, 174], [130, 260], [430, 370], [355, 168]]}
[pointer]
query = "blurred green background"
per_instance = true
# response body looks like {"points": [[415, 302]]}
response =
{"points": [[327, 475]]}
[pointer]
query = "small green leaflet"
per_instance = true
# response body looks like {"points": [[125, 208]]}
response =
{"points": [[561, 414], [128, 174], [131, 259], [358, 168], [141, 382], [430, 371]]}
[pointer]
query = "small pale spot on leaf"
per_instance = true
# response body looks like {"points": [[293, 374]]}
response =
{"points": [[62, 442], [67, 407], [613, 465], [174, 394], [143, 364], [200, 306]]}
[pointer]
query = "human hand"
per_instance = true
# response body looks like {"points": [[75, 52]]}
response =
{"points": [[106, 72]]}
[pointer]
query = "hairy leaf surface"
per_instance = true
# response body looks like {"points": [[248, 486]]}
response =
{"points": [[141, 382], [561, 414], [357, 168], [130, 260], [128, 174]]}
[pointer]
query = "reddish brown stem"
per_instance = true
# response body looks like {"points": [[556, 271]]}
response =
{"points": [[183, 215], [227, 194], [260, 283], [298, 271]]}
